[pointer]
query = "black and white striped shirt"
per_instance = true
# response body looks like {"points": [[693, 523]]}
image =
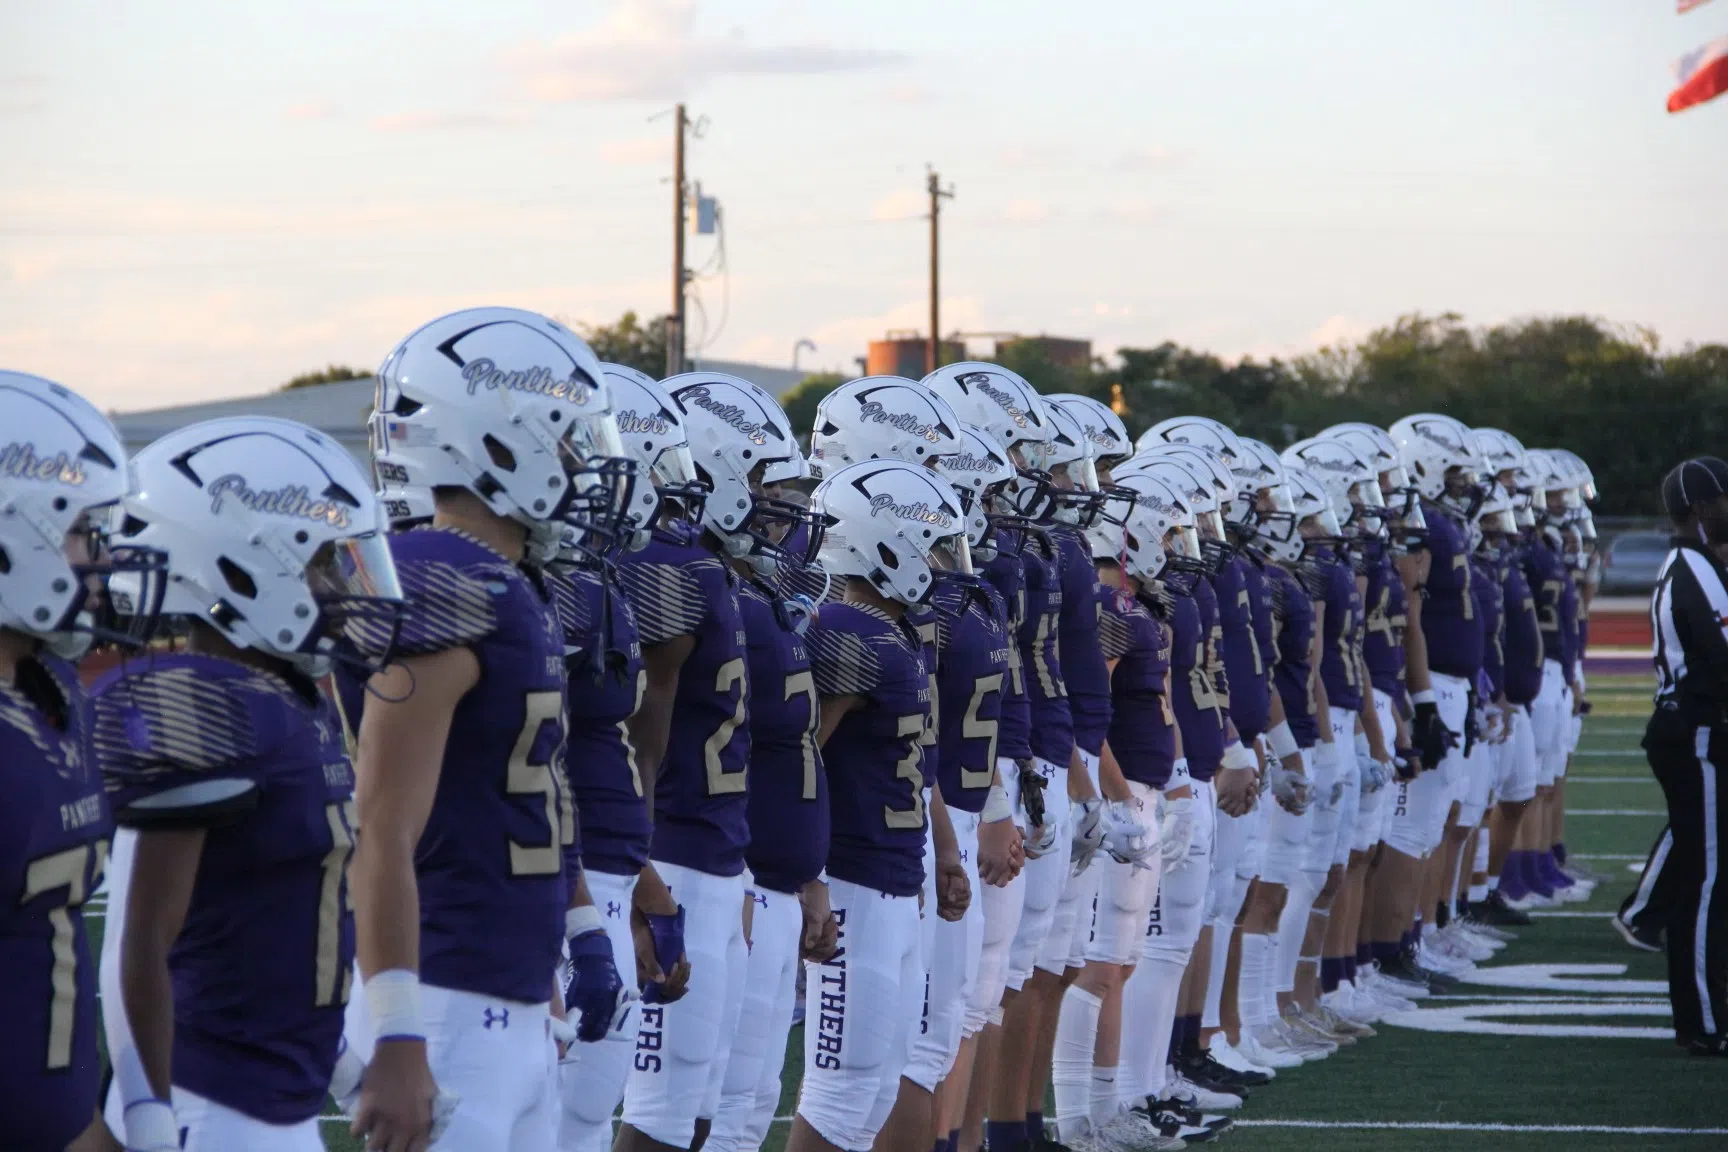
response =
{"points": [[1689, 619]]}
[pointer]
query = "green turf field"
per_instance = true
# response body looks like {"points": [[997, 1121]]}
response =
{"points": [[1523, 1075]]}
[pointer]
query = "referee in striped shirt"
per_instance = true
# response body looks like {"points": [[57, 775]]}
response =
{"points": [[1687, 743]]}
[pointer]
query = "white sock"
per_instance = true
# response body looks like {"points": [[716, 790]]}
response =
{"points": [[1104, 1104], [1212, 1015], [1148, 1015], [1259, 954], [1071, 1059], [1292, 926]]}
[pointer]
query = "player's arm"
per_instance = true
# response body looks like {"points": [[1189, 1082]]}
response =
{"points": [[834, 710], [1111, 782], [397, 762], [164, 872], [1317, 653], [1369, 721], [1415, 641], [953, 890], [651, 727]]}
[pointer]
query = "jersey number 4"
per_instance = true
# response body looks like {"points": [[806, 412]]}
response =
{"points": [[75, 872]]}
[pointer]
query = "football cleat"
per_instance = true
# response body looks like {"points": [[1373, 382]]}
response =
{"points": [[1231, 1057], [1256, 1052], [1308, 1022], [1643, 939], [1497, 911], [1128, 1132], [1172, 1119], [1199, 1065], [1339, 1024], [1198, 1096]]}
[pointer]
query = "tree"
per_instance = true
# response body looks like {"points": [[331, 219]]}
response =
{"points": [[630, 342], [330, 374], [801, 399]]}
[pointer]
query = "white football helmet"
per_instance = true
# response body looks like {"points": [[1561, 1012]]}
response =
{"points": [[1109, 436], [1311, 501], [737, 433], [882, 418], [1235, 499], [1351, 482], [510, 406], [1074, 494], [1276, 533], [274, 538], [1156, 531], [1494, 522], [995, 399], [652, 429], [1185, 476], [894, 525], [1371, 443], [1199, 430], [63, 474], [1440, 455], [978, 471]]}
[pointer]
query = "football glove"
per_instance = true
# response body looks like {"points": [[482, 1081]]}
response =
{"points": [[668, 934], [1375, 774], [1032, 786], [1290, 789], [594, 992], [1126, 839], [1430, 735], [345, 1081], [1044, 843], [1088, 832], [1177, 833]]}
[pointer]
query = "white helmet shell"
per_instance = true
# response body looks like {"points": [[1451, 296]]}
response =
{"points": [[1109, 436], [732, 428], [892, 524], [995, 399], [1351, 482], [1432, 445], [882, 418], [1309, 499], [652, 429], [975, 470], [1157, 527]]}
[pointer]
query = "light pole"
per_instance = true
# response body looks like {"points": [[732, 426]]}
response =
{"points": [[799, 347]]}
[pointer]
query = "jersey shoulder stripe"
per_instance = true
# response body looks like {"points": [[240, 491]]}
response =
{"points": [[667, 598]]}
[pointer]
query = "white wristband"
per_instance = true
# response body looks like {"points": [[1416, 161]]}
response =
{"points": [[1281, 740], [1238, 756], [393, 1002], [1178, 771], [151, 1124], [585, 918], [996, 805], [1426, 696]]}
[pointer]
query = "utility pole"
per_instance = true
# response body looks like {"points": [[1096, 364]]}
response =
{"points": [[675, 328], [933, 185]]}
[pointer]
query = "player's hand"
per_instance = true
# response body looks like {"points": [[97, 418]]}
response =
{"points": [[1235, 788], [953, 889], [1407, 764], [662, 969], [1375, 774], [1088, 832], [95, 1138], [1176, 835], [1290, 788], [595, 993], [1000, 855], [1430, 735], [395, 1112], [748, 917], [821, 931], [1126, 838], [1041, 841]]}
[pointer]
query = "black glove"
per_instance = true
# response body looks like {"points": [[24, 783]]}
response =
{"points": [[1471, 735], [1408, 765], [1430, 736], [1032, 794]]}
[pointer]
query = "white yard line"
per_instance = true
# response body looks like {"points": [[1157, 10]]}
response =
{"points": [[1614, 812], [1436, 1126]]}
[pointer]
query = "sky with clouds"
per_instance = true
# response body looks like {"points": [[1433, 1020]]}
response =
{"points": [[205, 198]]}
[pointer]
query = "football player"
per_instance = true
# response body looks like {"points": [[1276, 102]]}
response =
{"points": [[737, 434], [462, 903], [694, 729], [232, 939], [1440, 455], [66, 466], [892, 527]]}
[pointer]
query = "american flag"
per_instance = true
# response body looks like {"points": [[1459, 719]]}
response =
{"points": [[1688, 5]]}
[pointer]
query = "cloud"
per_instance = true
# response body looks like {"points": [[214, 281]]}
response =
{"points": [[27, 266], [1132, 212], [902, 205], [446, 121], [1338, 329], [22, 93], [311, 110], [1025, 211], [1038, 157], [908, 94], [641, 150], [650, 50], [20, 107], [1146, 159]]}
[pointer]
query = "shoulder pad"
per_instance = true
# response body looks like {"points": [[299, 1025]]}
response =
{"points": [[1116, 628], [844, 662], [569, 595], [667, 598], [447, 606]]}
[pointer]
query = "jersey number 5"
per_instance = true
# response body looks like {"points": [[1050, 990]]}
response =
{"points": [[531, 776]]}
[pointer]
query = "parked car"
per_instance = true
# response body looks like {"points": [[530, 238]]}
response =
{"points": [[1631, 563]]}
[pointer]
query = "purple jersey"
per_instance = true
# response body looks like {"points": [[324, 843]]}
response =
{"points": [[1142, 728], [1212, 638], [875, 755], [1052, 723], [262, 967], [1341, 639], [788, 788], [1084, 672], [1199, 711], [1570, 646], [1295, 674], [971, 675], [54, 829], [490, 863], [1450, 624], [1006, 574], [1383, 639], [1237, 584], [1485, 582], [1523, 646], [1546, 572], [603, 667], [701, 808]]}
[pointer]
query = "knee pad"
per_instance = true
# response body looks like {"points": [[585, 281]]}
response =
{"points": [[1177, 915]]}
